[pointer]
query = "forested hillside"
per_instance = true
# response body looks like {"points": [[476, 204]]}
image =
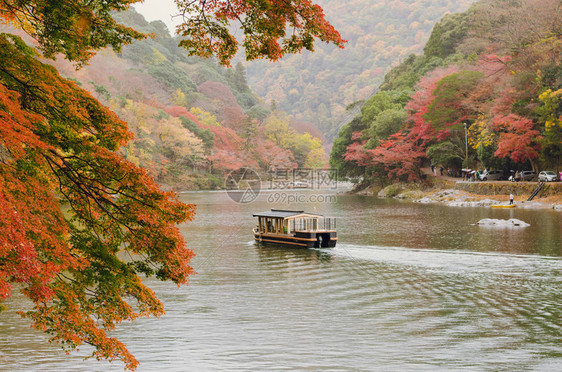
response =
{"points": [[317, 87], [495, 68], [192, 119]]}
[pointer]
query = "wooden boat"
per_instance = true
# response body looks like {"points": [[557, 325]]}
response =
{"points": [[503, 205], [295, 229]]}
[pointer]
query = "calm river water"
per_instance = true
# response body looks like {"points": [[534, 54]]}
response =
{"points": [[409, 287]]}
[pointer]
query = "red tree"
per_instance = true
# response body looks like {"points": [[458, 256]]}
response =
{"points": [[229, 111], [417, 108], [518, 140], [264, 23], [59, 144], [178, 111], [399, 156], [273, 156], [356, 151]]}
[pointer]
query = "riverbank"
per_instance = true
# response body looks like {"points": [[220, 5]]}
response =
{"points": [[472, 194], [461, 198], [191, 182]]}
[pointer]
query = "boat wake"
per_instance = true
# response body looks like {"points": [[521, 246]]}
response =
{"points": [[454, 261]]}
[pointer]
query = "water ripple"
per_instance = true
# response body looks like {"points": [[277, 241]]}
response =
{"points": [[358, 307]]}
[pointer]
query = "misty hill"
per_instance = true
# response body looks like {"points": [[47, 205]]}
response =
{"points": [[317, 87]]}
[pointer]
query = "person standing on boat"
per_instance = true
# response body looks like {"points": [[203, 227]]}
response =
{"points": [[510, 199]]}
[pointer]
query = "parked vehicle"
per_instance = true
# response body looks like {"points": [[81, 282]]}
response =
{"points": [[491, 175], [547, 176], [527, 175]]}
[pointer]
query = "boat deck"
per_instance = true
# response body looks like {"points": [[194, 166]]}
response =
{"points": [[295, 228]]}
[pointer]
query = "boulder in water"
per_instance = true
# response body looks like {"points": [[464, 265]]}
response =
{"points": [[493, 222]]}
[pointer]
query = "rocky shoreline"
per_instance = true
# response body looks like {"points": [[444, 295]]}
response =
{"points": [[448, 195], [459, 198]]}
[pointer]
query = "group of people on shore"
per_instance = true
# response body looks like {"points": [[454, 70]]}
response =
{"points": [[465, 174], [441, 171], [472, 175]]}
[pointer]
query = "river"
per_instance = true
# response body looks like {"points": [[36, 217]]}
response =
{"points": [[409, 287]]}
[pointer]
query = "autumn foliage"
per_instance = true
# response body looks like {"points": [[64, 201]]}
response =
{"points": [[500, 83], [59, 145], [517, 137], [264, 23], [76, 28], [399, 156], [379, 33]]}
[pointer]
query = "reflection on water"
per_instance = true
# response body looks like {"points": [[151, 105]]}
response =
{"points": [[409, 287]]}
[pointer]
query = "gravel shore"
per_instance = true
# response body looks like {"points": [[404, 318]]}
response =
{"points": [[459, 198]]}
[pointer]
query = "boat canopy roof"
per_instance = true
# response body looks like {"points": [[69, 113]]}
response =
{"points": [[286, 214]]}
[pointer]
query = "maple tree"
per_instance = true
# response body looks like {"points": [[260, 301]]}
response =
{"points": [[59, 144], [356, 152], [275, 156], [76, 28], [517, 139], [350, 133], [271, 28], [399, 156]]}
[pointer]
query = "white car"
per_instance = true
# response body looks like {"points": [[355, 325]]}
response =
{"points": [[547, 176], [491, 175], [527, 175]]}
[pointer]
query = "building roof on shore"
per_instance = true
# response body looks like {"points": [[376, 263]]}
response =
{"points": [[283, 213]]}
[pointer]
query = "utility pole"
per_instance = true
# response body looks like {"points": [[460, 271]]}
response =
{"points": [[466, 143]]}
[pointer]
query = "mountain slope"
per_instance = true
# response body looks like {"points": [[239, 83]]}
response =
{"points": [[317, 87], [494, 70], [193, 120]]}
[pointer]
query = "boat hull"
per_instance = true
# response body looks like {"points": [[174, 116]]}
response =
{"points": [[503, 206], [326, 239]]}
